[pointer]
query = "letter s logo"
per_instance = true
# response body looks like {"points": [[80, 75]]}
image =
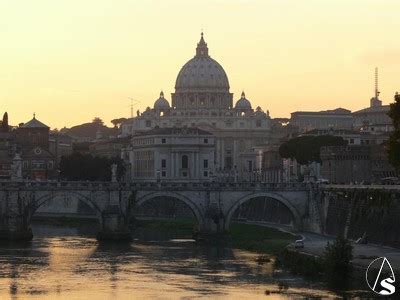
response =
{"points": [[380, 277], [387, 284]]}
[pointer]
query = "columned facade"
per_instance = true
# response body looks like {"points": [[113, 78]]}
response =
{"points": [[162, 154]]}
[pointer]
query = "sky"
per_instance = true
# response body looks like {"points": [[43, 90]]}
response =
{"points": [[70, 61]]}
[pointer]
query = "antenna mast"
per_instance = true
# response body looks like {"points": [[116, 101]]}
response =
{"points": [[133, 103], [131, 108], [376, 84]]}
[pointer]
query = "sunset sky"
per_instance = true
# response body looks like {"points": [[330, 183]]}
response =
{"points": [[71, 61]]}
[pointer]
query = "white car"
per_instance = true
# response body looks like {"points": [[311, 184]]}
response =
{"points": [[299, 244], [323, 181]]}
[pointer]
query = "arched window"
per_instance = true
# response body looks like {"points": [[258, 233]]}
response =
{"points": [[185, 162]]}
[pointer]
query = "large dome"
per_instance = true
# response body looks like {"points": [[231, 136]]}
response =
{"points": [[202, 72]]}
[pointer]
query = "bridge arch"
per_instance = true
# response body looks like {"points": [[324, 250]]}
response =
{"points": [[196, 210], [40, 201], [275, 196]]}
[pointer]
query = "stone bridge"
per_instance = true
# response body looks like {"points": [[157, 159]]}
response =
{"points": [[212, 204]]}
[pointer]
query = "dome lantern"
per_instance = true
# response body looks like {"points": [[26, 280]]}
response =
{"points": [[202, 49]]}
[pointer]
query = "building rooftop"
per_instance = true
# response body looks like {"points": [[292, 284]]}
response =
{"points": [[34, 123], [175, 131], [330, 131], [337, 111], [373, 109]]}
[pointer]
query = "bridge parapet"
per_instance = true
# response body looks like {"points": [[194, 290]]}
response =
{"points": [[353, 187], [59, 185], [151, 185]]}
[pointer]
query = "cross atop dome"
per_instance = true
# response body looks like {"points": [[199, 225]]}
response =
{"points": [[202, 49]]}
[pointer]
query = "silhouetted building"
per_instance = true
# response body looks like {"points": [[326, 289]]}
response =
{"points": [[357, 163], [339, 118], [375, 117], [33, 133], [172, 154], [7, 148], [38, 163], [109, 148], [272, 164], [60, 145]]}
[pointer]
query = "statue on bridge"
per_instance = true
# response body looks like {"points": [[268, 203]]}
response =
{"points": [[114, 168], [16, 168]]}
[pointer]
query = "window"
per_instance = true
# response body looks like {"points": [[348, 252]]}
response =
{"points": [[228, 163], [258, 123], [163, 163], [148, 123], [163, 141], [205, 173], [205, 163], [185, 162], [351, 141], [205, 141], [250, 165], [163, 174]]}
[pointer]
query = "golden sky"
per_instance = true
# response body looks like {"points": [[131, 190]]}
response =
{"points": [[72, 60]]}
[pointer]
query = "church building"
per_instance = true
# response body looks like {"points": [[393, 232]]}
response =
{"points": [[202, 100]]}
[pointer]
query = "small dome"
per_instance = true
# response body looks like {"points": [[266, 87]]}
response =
{"points": [[243, 103], [161, 103]]}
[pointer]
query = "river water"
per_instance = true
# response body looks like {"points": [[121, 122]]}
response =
{"points": [[68, 263]]}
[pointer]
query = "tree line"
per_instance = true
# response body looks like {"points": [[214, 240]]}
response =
{"points": [[79, 166]]}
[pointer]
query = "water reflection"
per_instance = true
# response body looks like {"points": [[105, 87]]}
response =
{"points": [[68, 263]]}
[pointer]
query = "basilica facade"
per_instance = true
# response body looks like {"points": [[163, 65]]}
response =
{"points": [[202, 99]]}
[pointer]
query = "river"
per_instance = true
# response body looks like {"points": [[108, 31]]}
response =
{"points": [[68, 263]]}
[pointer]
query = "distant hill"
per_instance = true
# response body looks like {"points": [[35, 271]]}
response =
{"points": [[90, 131]]}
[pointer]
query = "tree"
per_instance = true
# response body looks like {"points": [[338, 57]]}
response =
{"points": [[97, 120], [78, 166], [306, 149], [117, 122], [337, 262], [394, 140], [4, 123]]}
